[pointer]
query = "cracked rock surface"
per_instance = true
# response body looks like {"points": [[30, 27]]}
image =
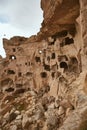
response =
{"points": [[43, 79]]}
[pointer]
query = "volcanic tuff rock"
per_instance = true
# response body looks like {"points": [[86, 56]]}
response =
{"points": [[59, 15], [43, 79]]}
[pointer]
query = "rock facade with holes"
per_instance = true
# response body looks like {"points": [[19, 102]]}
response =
{"points": [[43, 79]]}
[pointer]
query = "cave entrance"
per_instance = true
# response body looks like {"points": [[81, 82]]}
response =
{"points": [[51, 43], [53, 74], [14, 50], [9, 89], [10, 72], [68, 41], [47, 67], [37, 59], [53, 56], [43, 74], [19, 74], [60, 34], [20, 91], [28, 74], [64, 65]]}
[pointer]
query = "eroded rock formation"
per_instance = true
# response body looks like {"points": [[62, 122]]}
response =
{"points": [[43, 79]]}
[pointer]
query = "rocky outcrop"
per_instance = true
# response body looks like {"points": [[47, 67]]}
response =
{"points": [[59, 15], [43, 79]]}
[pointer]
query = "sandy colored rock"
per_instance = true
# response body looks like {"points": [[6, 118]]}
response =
{"points": [[43, 79]]}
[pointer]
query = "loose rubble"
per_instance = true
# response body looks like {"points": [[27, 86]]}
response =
{"points": [[43, 79]]}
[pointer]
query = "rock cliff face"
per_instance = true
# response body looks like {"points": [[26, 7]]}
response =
{"points": [[59, 15], [43, 79]]}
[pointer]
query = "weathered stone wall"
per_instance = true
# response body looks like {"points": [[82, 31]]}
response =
{"points": [[43, 79], [83, 21], [43, 61]]}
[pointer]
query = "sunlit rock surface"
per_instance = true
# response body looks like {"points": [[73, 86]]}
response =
{"points": [[43, 79]]}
